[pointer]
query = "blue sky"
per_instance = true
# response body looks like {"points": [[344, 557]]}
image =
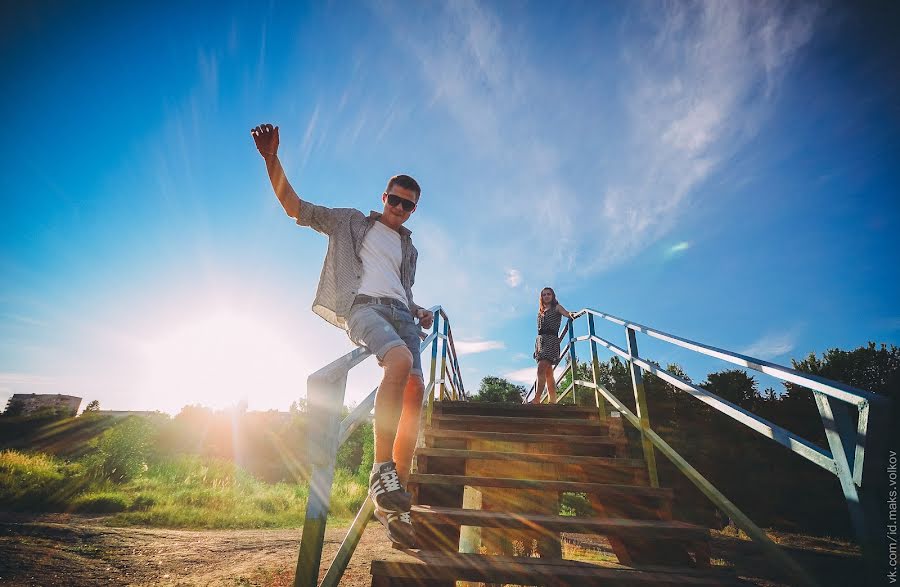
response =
{"points": [[723, 171]]}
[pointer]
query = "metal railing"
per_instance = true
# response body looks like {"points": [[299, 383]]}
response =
{"points": [[325, 400], [854, 453]]}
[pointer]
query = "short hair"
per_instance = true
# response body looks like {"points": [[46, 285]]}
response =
{"points": [[406, 182]]}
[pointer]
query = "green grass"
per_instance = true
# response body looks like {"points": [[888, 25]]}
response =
{"points": [[38, 482], [182, 492]]}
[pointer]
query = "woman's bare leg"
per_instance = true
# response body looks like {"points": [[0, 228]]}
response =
{"points": [[551, 383], [541, 381]]}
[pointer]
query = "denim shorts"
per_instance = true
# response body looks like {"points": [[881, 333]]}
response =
{"points": [[381, 327]]}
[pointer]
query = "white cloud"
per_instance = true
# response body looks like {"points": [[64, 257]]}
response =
{"points": [[771, 346], [471, 347], [14, 382], [25, 379], [693, 83], [26, 320], [525, 376], [693, 100]]}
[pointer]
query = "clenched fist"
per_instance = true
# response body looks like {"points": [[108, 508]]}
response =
{"points": [[426, 317], [266, 138]]}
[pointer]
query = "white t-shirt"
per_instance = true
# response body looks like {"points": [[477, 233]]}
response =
{"points": [[381, 256]]}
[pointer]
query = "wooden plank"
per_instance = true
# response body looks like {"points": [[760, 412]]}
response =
{"points": [[545, 485], [570, 467], [531, 571], [520, 542], [457, 516], [522, 410], [471, 421], [586, 461], [520, 437]]}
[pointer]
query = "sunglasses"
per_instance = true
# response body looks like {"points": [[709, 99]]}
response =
{"points": [[393, 200]]}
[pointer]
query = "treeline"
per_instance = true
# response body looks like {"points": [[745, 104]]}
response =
{"points": [[271, 445], [202, 468], [774, 486]]}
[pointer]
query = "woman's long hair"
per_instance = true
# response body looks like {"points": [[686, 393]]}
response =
{"points": [[553, 302]]}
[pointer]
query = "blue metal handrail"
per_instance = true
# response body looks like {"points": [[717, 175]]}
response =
{"points": [[325, 398], [848, 446]]}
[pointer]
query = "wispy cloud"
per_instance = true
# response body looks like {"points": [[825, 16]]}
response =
{"points": [[26, 320], [771, 345], [471, 347], [14, 378], [700, 87], [14, 382], [525, 376], [698, 81]]}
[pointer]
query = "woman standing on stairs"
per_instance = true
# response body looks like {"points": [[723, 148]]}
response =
{"points": [[546, 346]]}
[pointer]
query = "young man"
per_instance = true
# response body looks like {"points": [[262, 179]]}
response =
{"points": [[366, 289]]}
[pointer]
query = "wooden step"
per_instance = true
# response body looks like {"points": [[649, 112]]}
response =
{"points": [[516, 410], [570, 467], [600, 489], [659, 530], [487, 455], [520, 437], [407, 568], [524, 442], [519, 424]]}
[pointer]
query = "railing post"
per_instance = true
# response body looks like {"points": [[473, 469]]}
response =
{"points": [[444, 358], [326, 397], [595, 369], [841, 437], [640, 402], [573, 361], [333, 576], [434, 342]]}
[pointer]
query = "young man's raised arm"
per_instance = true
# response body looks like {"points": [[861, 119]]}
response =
{"points": [[319, 218]]}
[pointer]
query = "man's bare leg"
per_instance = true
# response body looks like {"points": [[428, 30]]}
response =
{"points": [[408, 428], [385, 485], [389, 400]]}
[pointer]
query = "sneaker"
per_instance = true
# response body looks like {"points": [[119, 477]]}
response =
{"points": [[386, 491], [398, 526]]}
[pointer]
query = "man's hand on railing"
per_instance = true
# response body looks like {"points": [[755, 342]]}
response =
{"points": [[426, 317]]}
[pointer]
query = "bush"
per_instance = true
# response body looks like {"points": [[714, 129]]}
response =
{"points": [[575, 504], [143, 502], [101, 503], [121, 453]]}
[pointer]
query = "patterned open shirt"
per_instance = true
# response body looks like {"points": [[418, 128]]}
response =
{"points": [[342, 272]]}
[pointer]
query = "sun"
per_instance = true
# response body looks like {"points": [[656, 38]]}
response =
{"points": [[218, 360]]}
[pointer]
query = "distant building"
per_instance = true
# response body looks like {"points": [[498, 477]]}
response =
{"points": [[27, 404]]}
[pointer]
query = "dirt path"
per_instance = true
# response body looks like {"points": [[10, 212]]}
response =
{"points": [[73, 551], [57, 551]]}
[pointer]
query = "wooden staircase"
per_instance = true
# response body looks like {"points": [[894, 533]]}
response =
{"points": [[487, 491]]}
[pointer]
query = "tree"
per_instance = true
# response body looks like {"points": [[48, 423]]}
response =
{"points": [[93, 406], [868, 367], [497, 389], [871, 368], [123, 450], [356, 453], [734, 385]]}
